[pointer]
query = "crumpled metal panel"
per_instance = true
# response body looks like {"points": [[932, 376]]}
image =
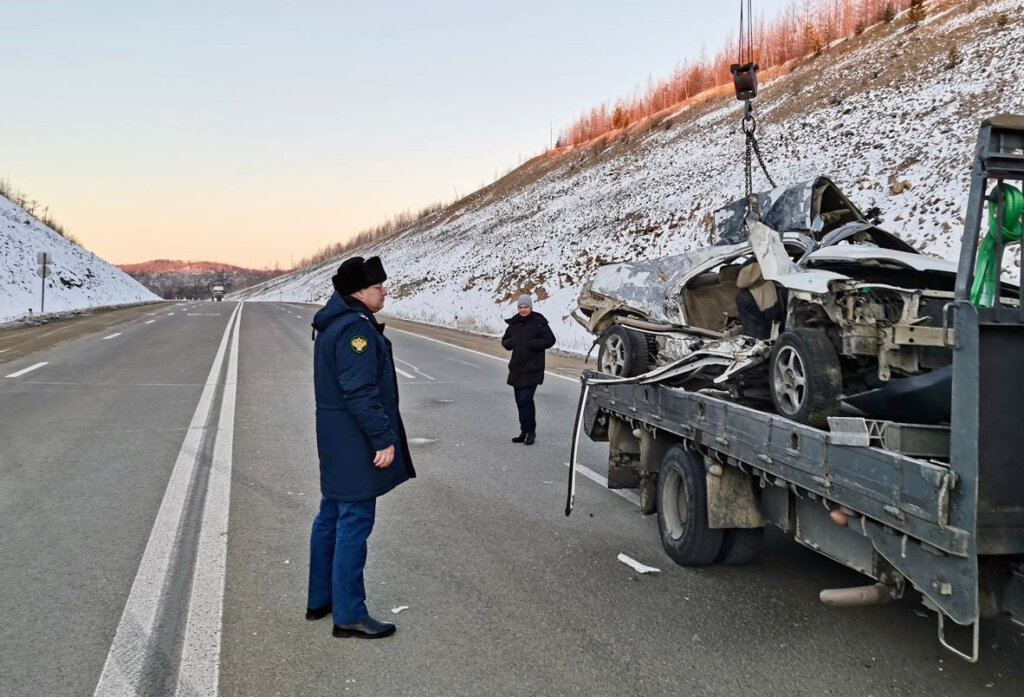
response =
{"points": [[770, 251], [651, 286], [867, 253], [784, 208]]}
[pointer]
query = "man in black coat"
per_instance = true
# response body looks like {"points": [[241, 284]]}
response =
{"points": [[527, 337], [361, 442]]}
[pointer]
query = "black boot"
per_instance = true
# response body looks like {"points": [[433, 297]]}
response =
{"points": [[530, 438], [365, 629], [520, 438]]}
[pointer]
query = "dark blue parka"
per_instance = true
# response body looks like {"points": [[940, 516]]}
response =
{"points": [[356, 403]]}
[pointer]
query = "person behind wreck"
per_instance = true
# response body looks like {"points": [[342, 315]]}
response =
{"points": [[759, 302], [528, 336], [361, 442]]}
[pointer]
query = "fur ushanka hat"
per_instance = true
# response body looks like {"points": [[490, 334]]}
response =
{"points": [[357, 273]]}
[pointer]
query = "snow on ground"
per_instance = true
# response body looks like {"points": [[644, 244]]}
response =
{"points": [[888, 117], [79, 279]]}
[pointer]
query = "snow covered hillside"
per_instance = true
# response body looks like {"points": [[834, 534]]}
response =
{"points": [[79, 278], [891, 116]]}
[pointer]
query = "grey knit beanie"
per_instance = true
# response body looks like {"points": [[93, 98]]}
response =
{"points": [[525, 299]]}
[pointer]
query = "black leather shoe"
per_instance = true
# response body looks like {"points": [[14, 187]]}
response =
{"points": [[530, 438], [316, 613], [366, 629], [520, 438]]}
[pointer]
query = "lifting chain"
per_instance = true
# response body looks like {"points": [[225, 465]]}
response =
{"points": [[749, 127]]}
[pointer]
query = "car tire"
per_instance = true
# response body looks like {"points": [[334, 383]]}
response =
{"points": [[683, 510], [622, 352], [805, 377], [740, 546]]}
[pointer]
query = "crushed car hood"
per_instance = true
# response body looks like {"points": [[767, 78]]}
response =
{"points": [[862, 253]]}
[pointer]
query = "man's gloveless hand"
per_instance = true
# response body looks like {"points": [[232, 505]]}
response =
{"points": [[384, 457]]}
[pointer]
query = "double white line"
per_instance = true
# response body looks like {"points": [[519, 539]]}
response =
{"points": [[132, 654]]}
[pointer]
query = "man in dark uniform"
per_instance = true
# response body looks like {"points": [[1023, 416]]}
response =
{"points": [[361, 442]]}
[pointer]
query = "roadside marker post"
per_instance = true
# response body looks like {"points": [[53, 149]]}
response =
{"points": [[43, 259]]}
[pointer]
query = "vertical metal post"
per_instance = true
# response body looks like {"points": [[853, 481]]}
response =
{"points": [[42, 300], [997, 231]]}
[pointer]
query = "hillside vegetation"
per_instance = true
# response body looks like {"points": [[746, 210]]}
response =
{"points": [[891, 115]]}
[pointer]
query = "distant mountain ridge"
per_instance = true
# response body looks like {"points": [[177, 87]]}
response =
{"points": [[176, 265], [173, 278]]}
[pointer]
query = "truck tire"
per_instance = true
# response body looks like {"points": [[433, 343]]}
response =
{"points": [[683, 510], [805, 377], [740, 546], [622, 352]]}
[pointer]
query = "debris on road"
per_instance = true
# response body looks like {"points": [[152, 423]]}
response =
{"points": [[396, 610], [637, 566]]}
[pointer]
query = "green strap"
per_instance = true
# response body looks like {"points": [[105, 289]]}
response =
{"points": [[986, 268]]}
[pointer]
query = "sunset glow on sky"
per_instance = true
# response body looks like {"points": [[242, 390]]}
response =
{"points": [[255, 132]]}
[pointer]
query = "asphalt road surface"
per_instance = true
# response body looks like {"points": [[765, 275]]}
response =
{"points": [[157, 482]]}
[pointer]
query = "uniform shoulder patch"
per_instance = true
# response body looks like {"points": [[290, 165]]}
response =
{"points": [[359, 344]]}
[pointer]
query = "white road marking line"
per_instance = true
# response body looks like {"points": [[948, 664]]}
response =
{"points": [[414, 369], [4, 350], [199, 671], [479, 353], [603, 481], [456, 360], [171, 314], [27, 370], [151, 321], [404, 374], [112, 336], [135, 637]]}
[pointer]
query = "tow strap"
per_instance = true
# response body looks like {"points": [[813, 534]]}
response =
{"points": [[984, 289]]}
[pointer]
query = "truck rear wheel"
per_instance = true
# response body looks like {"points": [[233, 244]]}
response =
{"points": [[683, 510]]}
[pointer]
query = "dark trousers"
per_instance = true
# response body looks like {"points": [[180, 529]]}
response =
{"points": [[337, 555], [527, 410], [755, 321]]}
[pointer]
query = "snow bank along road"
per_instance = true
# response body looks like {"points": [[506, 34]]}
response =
{"points": [[158, 478]]}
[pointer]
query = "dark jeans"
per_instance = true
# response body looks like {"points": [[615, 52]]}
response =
{"points": [[337, 555], [755, 322], [527, 410]]}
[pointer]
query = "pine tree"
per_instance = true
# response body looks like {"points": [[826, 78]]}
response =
{"points": [[619, 118], [889, 13], [917, 11]]}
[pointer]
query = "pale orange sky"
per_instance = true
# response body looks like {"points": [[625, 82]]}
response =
{"points": [[254, 132]]}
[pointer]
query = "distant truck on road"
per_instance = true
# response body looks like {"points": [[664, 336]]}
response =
{"points": [[217, 292]]}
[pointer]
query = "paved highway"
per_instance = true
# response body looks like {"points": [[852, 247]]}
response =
{"points": [[158, 478]]}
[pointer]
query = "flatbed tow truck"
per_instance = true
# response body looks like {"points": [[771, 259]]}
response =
{"points": [[936, 508]]}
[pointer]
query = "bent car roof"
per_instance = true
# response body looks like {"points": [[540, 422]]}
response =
{"points": [[799, 206], [646, 285]]}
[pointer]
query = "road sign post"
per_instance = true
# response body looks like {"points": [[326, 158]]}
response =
{"points": [[43, 259]]}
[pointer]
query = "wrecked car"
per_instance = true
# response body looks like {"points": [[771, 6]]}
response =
{"points": [[857, 313]]}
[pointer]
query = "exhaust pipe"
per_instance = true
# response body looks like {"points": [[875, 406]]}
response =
{"points": [[875, 594]]}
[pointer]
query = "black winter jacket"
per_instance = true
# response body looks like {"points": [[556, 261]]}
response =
{"points": [[527, 338]]}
